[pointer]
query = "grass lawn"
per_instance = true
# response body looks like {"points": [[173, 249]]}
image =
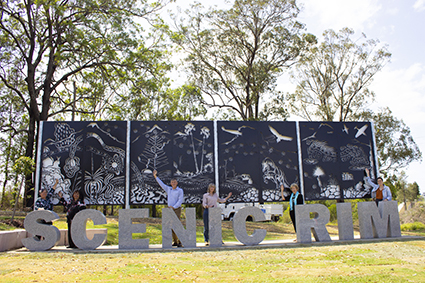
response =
{"points": [[386, 261]]}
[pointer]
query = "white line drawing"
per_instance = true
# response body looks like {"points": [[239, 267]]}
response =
{"points": [[360, 131], [105, 184], [319, 150], [237, 133], [318, 172], [95, 125], [271, 172], [278, 136], [154, 156], [356, 156], [345, 129], [345, 176]]}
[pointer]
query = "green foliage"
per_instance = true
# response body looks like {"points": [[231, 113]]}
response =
{"points": [[396, 146], [412, 226], [333, 77], [47, 45], [24, 166], [235, 55]]}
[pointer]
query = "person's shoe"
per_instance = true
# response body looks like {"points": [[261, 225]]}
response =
{"points": [[71, 247], [179, 245], [207, 244], [175, 244]]}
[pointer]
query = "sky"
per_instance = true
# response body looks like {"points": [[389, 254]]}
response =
{"points": [[400, 24]]}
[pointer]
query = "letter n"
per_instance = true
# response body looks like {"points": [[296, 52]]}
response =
{"points": [[170, 222]]}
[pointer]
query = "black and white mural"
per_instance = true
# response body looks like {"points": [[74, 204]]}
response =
{"points": [[85, 156], [182, 150], [112, 162], [334, 157], [255, 158]]}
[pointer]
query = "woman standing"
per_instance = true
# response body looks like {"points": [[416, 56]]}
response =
{"points": [[210, 200], [383, 193], [295, 199], [72, 208]]}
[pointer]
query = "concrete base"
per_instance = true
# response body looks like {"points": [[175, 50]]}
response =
{"points": [[10, 240]]}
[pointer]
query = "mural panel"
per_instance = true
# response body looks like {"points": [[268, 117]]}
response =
{"points": [[183, 150], [255, 158], [85, 156], [334, 156]]}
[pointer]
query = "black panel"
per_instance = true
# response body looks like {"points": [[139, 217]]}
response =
{"points": [[182, 150], [334, 158], [255, 158], [85, 156]]}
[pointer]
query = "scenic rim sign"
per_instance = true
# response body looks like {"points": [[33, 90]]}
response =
{"points": [[374, 222]]}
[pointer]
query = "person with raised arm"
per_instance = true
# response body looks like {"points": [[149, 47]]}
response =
{"points": [[174, 200]]}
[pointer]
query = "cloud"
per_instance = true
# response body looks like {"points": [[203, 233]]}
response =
{"points": [[419, 5], [403, 90], [336, 14]]}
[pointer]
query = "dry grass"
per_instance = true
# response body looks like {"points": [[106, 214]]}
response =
{"points": [[387, 261]]}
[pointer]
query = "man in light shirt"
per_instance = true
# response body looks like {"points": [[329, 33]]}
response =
{"points": [[174, 201]]}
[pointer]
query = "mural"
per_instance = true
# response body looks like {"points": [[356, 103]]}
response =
{"points": [[255, 158], [85, 156], [327, 159], [334, 157], [182, 150]]}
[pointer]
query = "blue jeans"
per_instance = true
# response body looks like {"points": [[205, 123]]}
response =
{"points": [[206, 225]]}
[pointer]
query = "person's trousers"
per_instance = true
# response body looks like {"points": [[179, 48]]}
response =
{"points": [[70, 241], [206, 225], [178, 212], [292, 214]]}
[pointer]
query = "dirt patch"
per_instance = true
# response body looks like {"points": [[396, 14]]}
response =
{"points": [[18, 223], [414, 214]]}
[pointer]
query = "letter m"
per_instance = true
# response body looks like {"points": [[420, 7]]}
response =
{"points": [[378, 222]]}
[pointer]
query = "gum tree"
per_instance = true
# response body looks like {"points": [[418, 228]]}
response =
{"points": [[234, 56], [98, 43]]}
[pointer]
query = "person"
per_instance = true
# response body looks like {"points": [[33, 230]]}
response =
{"points": [[209, 200], [174, 200], [44, 202], [383, 193], [72, 208], [295, 199]]}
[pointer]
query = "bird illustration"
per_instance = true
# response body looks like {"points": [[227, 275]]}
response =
{"points": [[313, 136], [360, 131], [278, 136], [345, 129], [237, 133]]}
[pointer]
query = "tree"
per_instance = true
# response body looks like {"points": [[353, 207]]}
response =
{"points": [[45, 44], [395, 146], [22, 167], [180, 104], [236, 55], [333, 78], [12, 136]]}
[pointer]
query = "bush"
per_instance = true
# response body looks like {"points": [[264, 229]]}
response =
{"points": [[412, 226]]}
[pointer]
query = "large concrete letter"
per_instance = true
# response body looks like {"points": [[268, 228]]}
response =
{"points": [[50, 233], [78, 229], [127, 229], [345, 221], [214, 223], [239, 226], [317, 225], [170, 221], [379, 222]]}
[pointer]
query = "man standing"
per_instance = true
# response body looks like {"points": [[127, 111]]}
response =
{"points": [[174, 201]]}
